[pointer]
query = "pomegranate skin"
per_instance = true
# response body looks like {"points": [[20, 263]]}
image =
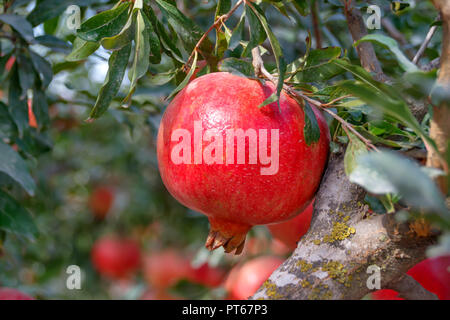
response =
{"points": [[237, 196], [291, 231], [13, 294]]}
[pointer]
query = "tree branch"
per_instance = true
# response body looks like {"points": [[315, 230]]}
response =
{"points": [[365, 50], [440, 123], [410, 289], [425, 43], [331, 260]]}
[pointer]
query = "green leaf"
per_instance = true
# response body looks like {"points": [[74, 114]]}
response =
{"points": [[54, 43], [397, 109], [17, 102], [257, 34], [186, 79], [355, 148], [162, 77], [122, 39], [105, 24], [362, 75], [238, 33], [117, 65], [188, 32], [271, 99], [311, 130], [15, 218], [388, 172], [82, 49], [43, 68], [223, 6], [318, 67], [20, 25], [26, 73], [278, 53], [15, 167], [167, 43], [391, 45], [141, 50], [7, 125], [302, 7], [237, 66], [40, 108], [48, 9]]}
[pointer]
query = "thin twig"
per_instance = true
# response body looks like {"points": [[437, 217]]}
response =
{"points": [[426, 42], [219, 21], [261, 70]]}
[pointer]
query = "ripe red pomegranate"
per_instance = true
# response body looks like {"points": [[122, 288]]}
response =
{"points": [[269, 176], [290, 232], [248, 278], [115, 257], [433, 274], [13, 294], [165, 268], [101, 201]]}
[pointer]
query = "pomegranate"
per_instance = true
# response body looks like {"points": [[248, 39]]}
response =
{"points": [[290, 232], [13, 294], [101, 201], [433, 274], [223, 179], [206, 275], [250, 276], [165, 268], [115, 257]]}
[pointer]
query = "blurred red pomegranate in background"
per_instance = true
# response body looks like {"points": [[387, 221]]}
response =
{"points": [[290, 232], [206, 275], [13, 294], [165, 268], [116, 257], [101, 201], [246, 279]]}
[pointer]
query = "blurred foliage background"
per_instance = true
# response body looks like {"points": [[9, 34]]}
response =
{"points": [[70, 158]]}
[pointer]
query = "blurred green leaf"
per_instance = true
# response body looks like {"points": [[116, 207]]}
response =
{"points": [[19, 24], [118, 62], [15, 167], [43, 68], [391, 45], [15, 218], [355, 148], [387, 172]]}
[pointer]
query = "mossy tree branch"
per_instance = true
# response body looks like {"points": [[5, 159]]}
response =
{"points": [[332, 259]]}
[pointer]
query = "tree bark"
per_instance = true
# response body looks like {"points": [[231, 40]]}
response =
{"points": [[332, 259], [440, 123]]}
